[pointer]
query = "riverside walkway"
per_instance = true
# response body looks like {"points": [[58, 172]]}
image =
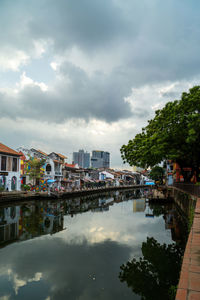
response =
{"points": [[26, 196], [189, 283]]}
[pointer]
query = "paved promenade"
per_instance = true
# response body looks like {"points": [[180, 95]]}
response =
{"points": [[189, 283]]}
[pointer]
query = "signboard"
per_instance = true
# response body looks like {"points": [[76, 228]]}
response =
{"points": [[4, 173]]}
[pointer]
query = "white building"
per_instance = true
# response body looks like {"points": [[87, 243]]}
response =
{"points": [[9, 169], [53, 166], [105, 175]]}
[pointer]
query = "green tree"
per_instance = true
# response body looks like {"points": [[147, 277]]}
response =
{"points": [[173, 134], [157, 174], [33, 169], [156, 273]]}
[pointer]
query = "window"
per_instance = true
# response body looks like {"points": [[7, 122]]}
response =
{"points": [[14, 165], [48, 168], [9, 168], [3, 163]]}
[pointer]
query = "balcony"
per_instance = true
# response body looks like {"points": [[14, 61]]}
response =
{"points": [[57, 173]]}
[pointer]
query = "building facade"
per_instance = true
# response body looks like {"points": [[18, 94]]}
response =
{"points": [[100, 159], [51, 170], [82, 159], [9, 169]]}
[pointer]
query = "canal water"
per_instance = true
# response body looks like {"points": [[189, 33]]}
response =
{"points": [[108, 246]]}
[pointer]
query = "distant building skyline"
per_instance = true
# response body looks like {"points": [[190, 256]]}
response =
{"points": [[81, 158], [100, 159]]}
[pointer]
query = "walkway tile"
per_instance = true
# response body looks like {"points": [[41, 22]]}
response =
{"points": [[194, 269], [194, 282], [181, 294], [194, 296], [189, 283]]}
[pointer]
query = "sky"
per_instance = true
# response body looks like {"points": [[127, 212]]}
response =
{"points": [[89, 74]]}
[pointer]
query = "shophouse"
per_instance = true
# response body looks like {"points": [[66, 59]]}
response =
{"points": [[9, 169]]}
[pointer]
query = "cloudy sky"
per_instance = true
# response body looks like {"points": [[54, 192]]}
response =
{"points": [[88, 74]]}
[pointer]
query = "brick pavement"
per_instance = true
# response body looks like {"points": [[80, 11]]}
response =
{"points": [[189, 283]]}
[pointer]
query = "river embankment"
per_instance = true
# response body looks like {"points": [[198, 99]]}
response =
{"points": [[188, 203], [189, 283], [30, 195], [186, 197]]}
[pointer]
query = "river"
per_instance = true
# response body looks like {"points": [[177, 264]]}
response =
{"points": [[89, 248]]}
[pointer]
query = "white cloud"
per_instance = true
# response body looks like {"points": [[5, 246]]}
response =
{"points": [[12, 59], [18, 282], [54, 65], [27, 81], [40, 47]]}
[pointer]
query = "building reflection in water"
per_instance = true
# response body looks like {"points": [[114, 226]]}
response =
{"points": [[174, 221], [29, 221], [19, 223], [139, 205]]}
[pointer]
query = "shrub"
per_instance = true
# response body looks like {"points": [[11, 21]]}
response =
{"points": [[25, 187]]}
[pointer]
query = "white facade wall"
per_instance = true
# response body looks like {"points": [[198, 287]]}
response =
{"points": [[56, 170], [9, 177], [105, 175]]}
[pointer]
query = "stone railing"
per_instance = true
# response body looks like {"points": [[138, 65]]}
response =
{"points": [[188, 188]]}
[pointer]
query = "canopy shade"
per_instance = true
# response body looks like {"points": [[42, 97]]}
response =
{"points": [[51, 180]]}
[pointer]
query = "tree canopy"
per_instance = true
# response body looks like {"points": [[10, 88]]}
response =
{"points": [[34, 166], [173, 134], [157, 174]]}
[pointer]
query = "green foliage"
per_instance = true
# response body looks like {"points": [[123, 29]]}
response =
{"points": [[156, 272], [172, 292], [2, 188], [157, 174], [190, 217], [34, 168], [158, 210], [174, 134], [25, 187]]}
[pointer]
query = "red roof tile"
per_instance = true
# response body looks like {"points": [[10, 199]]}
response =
{"points": [[22, 156], [7, 150], [70, 165]]}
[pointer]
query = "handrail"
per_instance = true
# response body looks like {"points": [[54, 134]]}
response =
{"points": [[188, 188]]}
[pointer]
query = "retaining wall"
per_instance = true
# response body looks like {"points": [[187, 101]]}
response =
{"points": [[189, 283]]}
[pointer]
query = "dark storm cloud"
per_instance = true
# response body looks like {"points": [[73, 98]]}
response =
{"points": [[76, 96], [88, 24], [155, 42], [161, 40]]}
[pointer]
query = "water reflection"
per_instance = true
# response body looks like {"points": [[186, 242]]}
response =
{"points": [[46, 217], [75, 248], [156, 273], [29, 221]]}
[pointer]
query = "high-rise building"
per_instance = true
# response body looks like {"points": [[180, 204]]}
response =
{"points": [[82, 159], [100, 159]]}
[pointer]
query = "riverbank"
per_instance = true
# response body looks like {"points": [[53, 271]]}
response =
{"points": [[189, 283], [27, 195]]}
